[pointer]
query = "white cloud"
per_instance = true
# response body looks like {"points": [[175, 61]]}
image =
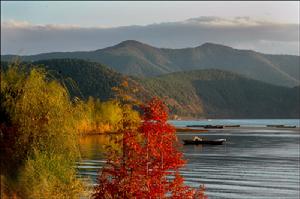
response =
{"points": [[15, 24], [218, 21], [242, 32]]}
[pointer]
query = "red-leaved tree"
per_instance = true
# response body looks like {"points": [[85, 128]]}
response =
{"points": [[149, 164]]}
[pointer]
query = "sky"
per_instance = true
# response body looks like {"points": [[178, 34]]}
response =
{"points": [[37, 27]]}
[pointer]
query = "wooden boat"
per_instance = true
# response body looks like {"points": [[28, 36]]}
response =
{"points": [[230, 126], [208, 142], [281, 126], [207, 126]]}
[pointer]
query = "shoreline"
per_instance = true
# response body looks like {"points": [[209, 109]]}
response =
{"points": [[202, 130], [244, 129], [208, 119]]}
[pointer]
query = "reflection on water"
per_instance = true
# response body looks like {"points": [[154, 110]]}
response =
{"points": [[93, 146], [252, 164]]}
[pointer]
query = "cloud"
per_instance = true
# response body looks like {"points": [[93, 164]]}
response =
{"points": [[21, 37], [15, 24], [230, 22]]}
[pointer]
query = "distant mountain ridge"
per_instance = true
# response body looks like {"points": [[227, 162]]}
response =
{"points": [[209, 93], [138, 59]]}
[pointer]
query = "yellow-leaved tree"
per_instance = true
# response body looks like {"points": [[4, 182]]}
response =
{"points": [[38, 136]]}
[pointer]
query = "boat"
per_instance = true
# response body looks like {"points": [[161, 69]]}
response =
{"points": [[208, 142], [232, 126], [281, 126], [207, 126]]}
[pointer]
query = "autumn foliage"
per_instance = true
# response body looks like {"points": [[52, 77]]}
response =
{"points": [[38, 136], [148, 166]]}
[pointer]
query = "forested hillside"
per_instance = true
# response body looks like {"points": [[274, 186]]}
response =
{"points": [[207, 93], [142, 60], [82, 78], [221, 94]]}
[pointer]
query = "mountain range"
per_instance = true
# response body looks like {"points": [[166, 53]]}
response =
{"points": [[141, 60], [206, 93]]}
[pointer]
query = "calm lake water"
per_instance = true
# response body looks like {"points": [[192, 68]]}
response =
{"points": [[255, 163]]}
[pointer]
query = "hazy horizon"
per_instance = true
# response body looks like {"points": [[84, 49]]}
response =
{"points": [[148, 45], [40, 27]]}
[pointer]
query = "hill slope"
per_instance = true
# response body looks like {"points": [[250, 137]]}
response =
{"points": [[82, 78], [220, 94], [207, 93], [139, 59]]}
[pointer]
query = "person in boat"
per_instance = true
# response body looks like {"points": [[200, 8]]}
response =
{"points": [[196, 138]]}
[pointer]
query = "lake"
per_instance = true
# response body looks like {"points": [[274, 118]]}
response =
{"points": [[254, 162]]}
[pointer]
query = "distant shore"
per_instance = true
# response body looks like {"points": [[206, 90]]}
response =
{"points": [[242, 128], [296, 130], [187, 129]]}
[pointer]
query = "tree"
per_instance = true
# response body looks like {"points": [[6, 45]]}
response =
{"points": [[38, 136], [149, 164]]}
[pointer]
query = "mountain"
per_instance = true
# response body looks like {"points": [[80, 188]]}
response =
{"points": [[138, 59], [214, 93], [209, 93]]}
